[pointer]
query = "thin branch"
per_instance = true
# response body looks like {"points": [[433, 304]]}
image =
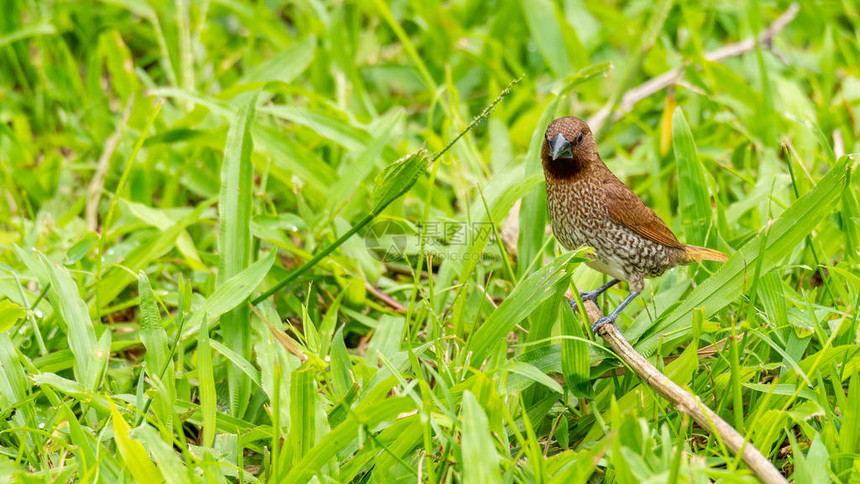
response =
{"points": [[390, 301], [671, 77], [685, 402]]}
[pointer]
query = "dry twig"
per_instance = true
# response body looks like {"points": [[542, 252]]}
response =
{"points": [[685, 402], [666, 79]]}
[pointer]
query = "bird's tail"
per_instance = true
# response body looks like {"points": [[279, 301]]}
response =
{"points": [[696, 254]]}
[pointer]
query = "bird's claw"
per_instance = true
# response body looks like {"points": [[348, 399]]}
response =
{"points": [[585, 296], [600, 322]]}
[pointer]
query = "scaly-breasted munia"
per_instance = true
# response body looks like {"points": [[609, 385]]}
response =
{"points": [[590, 206]]}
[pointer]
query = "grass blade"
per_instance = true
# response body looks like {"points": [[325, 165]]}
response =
{"points": [[157, 357], [163, 455], [728, 283], [541, 285], [533, 206], [81, 334], [232, 292], [575, 360], [132, 451], [546, 32], [152, 332], [302, 416], [234, 242], [206, 384], [368, 417], [693, 198], [480, 458]]}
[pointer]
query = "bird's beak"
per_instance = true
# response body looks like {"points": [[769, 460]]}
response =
{"points": [[559, 147]]}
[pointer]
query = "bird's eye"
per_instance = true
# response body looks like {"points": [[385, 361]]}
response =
{"points": [[579, 138]]}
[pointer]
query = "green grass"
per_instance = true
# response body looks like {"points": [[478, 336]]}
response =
{"points": [[165, 163]]}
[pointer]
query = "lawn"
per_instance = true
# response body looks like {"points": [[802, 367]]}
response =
{"points": [[308, 241]]}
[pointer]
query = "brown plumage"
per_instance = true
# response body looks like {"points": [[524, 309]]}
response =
{"points": [[588, 205]]}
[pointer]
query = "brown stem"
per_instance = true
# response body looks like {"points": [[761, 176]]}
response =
{"points": [[685, 402], [390, 301]]}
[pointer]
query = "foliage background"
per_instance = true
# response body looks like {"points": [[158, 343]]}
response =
{"points": [[164, 161]]}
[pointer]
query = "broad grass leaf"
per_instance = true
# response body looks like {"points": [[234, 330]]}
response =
{"points": [[849, 222], [329, 126], [133, 453], [772, 294], [72, 388], [811, 468], [727, 284], [234, 202], [206, 384], [645, 401], [532, 447], [480, 458], [284, 66], [80, 332], [162, 220], [10, 313], [525, 297], [215, 106], [401, 439], [154, 339], [849, 430], [302, 437], [580, 465], [32, 30], [341, 367], [116, 279], [238, 361], [575, 359], [546, 32], [31, 258], [535, 375], [783, 389], [14, 385], [86, 445], [152, 332], [119, 62], [693, 198], [235, 206], [370, 415], [532, 221], [165, 457], [232, 292], [328, 324], [290, 158], [81, 248]]}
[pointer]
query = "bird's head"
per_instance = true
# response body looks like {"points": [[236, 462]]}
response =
{"points": [[568, 146]]}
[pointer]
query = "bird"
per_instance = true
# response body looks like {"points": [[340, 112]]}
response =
{"points": [[589, 206]]}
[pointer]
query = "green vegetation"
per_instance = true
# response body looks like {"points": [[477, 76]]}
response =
{"points": [[164, 163]]}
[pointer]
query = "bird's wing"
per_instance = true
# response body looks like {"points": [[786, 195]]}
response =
{"points": [[628, 210]]}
